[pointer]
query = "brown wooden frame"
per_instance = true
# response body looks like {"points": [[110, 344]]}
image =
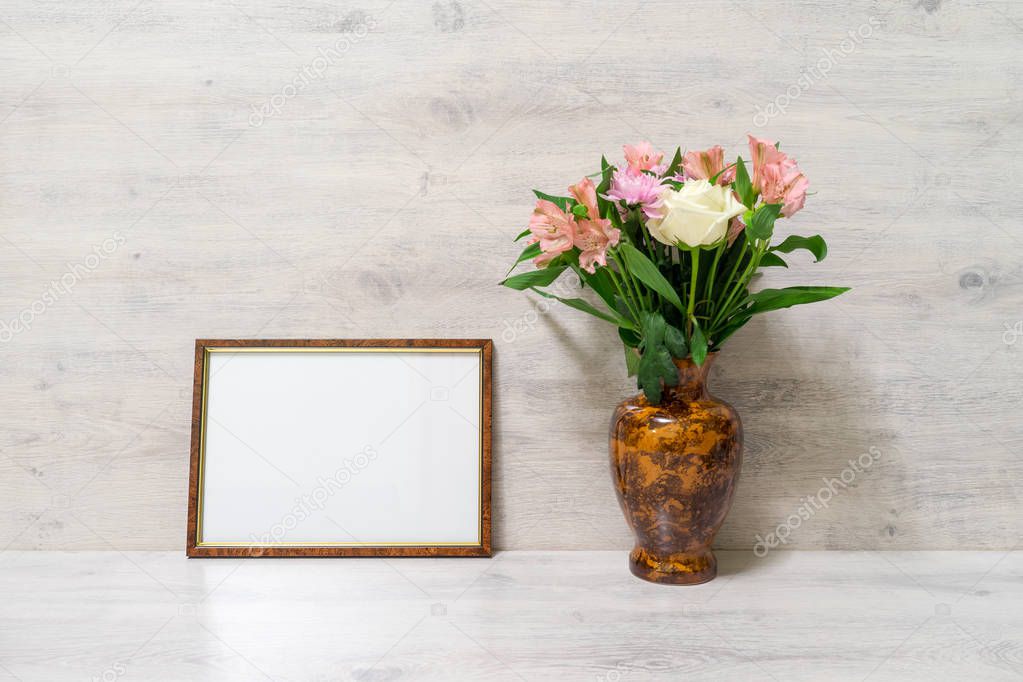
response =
{"points": [[193, 547]]}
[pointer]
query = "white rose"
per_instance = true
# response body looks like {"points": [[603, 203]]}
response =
{"points": [[696, 215]]}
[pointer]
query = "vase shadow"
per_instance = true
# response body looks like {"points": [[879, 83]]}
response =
{"points": [[806, 429]]}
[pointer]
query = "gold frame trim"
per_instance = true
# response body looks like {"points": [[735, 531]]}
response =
{"points": [[208, 350]]}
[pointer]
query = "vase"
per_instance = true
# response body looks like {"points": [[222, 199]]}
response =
{"points": [[675, 466]]}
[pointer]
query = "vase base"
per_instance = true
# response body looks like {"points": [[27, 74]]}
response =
{"points": [[674, 569]]}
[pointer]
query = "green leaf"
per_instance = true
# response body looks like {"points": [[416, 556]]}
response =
{"points": [[631, 360], [580, 211], [622, 309], [610, 212], [534, 278], [761, 224], [586, 307], [675, 342], [653, 327], [769, 260], [649, 379], [605, 207], [669, 372], [815, 245], [647, 273], [564, 203], [524, 233], [655, 366], [698, 344], [606, 170], [714, 179], [733, 326], [600, 282], [676, 163], [629, 337], [743, 185], [531, 251], [774, 299]]}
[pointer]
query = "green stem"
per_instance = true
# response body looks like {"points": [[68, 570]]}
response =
{"points": [[742, 254], [694, 275], [730, 287], [630, 281], [651, 247], [740, 284], [645, 295], [713, 272], [625, 297]]}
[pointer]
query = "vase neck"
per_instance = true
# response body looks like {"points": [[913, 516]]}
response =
{"points": [[692, 379]]}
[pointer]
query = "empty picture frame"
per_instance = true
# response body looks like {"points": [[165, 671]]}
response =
{"points": [[340, 448]]}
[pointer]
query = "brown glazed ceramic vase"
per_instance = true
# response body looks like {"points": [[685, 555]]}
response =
{"points": [[675, 466]]}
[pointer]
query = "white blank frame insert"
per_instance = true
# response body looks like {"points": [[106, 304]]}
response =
{"points": [[340, 448]]}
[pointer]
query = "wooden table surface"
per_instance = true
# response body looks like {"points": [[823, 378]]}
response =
{"points": [[519, 616]]}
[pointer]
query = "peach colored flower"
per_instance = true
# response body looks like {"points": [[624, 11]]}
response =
{"points": [[585, 192], [777, 177], [765, 154], [642, 157], [593, 238], [593, 234], [705, 165], [558, 231], [784, 185], [553, 228]]}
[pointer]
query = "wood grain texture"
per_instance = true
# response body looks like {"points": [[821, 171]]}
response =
{"points": [[193, 545], [792, 616], [252, 190]]}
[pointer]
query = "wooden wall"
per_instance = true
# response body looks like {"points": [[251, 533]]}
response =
{"points": [[358, 169]]}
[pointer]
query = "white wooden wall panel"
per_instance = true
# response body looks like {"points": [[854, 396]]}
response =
{"points": [[380, 200]]}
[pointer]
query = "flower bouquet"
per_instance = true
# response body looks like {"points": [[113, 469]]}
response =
{"points": [[669, 251]]}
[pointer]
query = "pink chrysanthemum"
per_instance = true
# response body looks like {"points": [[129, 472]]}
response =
{"points": [[640, 190]]}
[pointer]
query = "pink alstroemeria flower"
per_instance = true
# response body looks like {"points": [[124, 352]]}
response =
{"points": [[640, 190], [553, 228], [593, 238], [786, 186], [765, 154], [705, 165], [777, 177], [585, 192], [642, 157], [593, 234]]}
